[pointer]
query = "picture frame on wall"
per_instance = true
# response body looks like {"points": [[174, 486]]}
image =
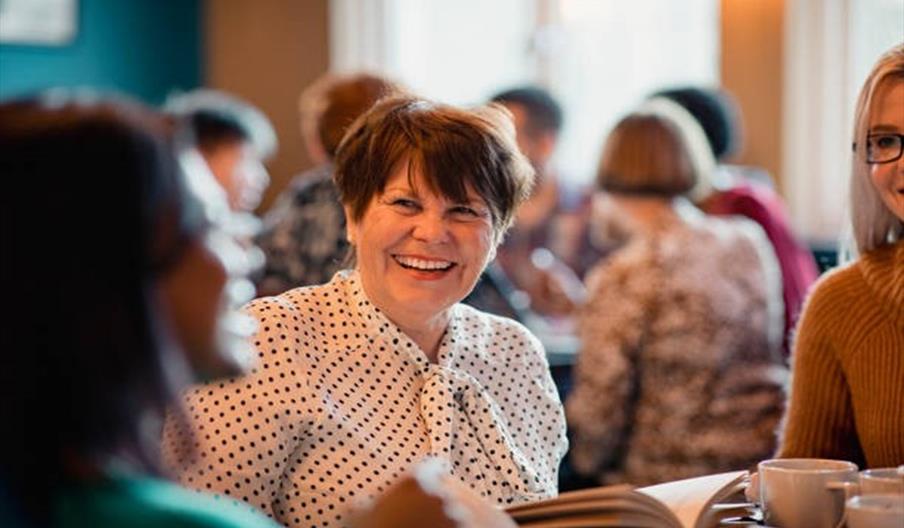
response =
{"points": [[38, 22]]}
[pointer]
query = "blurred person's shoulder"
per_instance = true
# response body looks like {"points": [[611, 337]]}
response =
{"points": [[145, 502], [314, 181], [733, 231], [631, 263], [310, 186]]}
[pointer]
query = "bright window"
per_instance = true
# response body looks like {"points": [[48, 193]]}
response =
{"points": [[598, 57], [829, 49]]}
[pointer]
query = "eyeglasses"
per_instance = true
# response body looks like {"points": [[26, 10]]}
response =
{"points": [[884, 148]]}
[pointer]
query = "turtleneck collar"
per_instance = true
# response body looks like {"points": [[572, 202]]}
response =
{"points": [[883, 272]]}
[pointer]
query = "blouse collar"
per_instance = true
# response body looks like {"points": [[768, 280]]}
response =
{"points": [[377, 323]]}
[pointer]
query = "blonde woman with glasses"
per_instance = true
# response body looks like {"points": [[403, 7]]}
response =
{"points": [[847, 391]]}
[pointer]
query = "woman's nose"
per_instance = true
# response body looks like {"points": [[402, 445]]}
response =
{"points": [[431, 228]]}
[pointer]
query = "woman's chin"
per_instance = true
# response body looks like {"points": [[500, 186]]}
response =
{"points": [[422, 304]]}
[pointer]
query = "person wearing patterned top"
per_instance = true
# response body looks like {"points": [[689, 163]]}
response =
{"points": [[739, 190], [363, 377], [679, 372], [304, 233]]}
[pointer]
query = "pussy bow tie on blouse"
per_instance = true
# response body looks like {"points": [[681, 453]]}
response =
{"points": [[456, 408], [466, 427]]}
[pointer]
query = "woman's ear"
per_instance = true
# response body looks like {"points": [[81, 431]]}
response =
{"points": [[351, 226]]}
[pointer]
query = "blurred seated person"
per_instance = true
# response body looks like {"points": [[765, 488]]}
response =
{"points": [[846, 398], [747, 191], [140, 308], [122, 309], [304, 233], [679, 372], [361, 378], [234, 138], [548, 248]]}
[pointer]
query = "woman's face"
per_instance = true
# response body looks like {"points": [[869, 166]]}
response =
{"points": [[206, 285], [419, 253], [888, 117], [238, 168], [192, 291]]}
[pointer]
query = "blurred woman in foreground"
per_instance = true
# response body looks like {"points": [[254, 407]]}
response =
{"points": [[679, 372], [118, 275], [847, 391]]}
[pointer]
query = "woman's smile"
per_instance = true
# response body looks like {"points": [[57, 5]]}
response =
{"points": [[425, 268]]}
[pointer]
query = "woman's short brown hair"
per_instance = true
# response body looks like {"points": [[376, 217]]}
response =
{"points": [[454, 148], [657, 150]]}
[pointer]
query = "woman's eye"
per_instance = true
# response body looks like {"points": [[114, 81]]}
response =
{"points": [[885, 141], [882, 141], [405, 203], [467, 212]]}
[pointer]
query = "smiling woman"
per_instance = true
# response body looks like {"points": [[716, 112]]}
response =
{"points": [[429, 191], [362, 377], [845, 399]]}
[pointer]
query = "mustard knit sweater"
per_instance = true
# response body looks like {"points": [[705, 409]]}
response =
{"points": [[847, 388]]}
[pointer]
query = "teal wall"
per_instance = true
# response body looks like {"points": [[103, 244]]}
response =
{"points": [[145, 48]]}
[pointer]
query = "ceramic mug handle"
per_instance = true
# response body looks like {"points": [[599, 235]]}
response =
{"points": [[850, 489]]}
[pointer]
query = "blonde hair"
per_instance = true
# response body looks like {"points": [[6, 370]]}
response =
{"points": [[873, 224], [658, 149]]}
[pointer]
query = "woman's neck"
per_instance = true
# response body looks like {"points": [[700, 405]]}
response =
{"points": [[426, 334], [425, 331]]}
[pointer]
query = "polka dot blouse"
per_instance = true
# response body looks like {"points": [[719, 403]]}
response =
{"points": [[342, 403]]}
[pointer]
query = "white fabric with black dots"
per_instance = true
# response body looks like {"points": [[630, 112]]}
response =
{"points": [[342, 403]]}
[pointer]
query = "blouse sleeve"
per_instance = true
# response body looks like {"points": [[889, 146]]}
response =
{"points": [[610, 327], [538, 428], [234, 437], [819, 420]]}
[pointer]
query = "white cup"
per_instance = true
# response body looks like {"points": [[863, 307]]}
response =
{"points": [[875, 511], [805, 492], [882, 480]]}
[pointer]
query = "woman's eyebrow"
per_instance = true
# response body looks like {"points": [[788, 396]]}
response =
{"points": [[883, 127], [474, 200], [400, 190]]}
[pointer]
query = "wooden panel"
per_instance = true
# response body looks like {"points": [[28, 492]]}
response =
{"points": [[267, 52], [752, 41]]}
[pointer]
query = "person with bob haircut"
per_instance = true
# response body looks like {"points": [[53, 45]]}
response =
{"points": [[679, 372], [738, 190], [363, 377], [846, 399], [125, 304]]}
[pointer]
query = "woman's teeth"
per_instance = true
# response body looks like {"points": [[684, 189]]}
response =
{"points": [[421, 264]]}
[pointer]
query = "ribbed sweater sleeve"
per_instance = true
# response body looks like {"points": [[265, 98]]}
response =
{"points": [[819, 421]]}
